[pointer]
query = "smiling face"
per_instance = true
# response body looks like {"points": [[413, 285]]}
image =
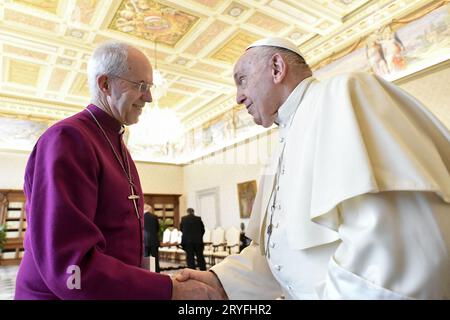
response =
{"points": [[125, 100], [257, 87]]}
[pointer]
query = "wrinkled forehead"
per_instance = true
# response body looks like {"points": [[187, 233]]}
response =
{"points": [[246, 61]]}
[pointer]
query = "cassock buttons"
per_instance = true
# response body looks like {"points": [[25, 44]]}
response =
{"points": [[281, 140], [278, 187], [290, 287], [278, 267], [269, 229], [272, 245], [276, 225], [279, 207]]}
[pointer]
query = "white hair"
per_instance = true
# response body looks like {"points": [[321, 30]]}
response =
{"points": [[290, 57], [109, 58]]}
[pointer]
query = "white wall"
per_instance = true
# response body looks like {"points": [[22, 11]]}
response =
{"points": [[432, 88], [12, 169], [224, 170], [160, 178], [200, 177]]}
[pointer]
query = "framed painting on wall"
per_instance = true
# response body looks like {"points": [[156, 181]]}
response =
{"points": [[246, 196]]}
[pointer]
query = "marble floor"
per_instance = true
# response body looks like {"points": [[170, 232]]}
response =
{"points": [[8, 277]]}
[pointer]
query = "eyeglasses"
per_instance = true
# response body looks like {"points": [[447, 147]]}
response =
{"points": [[143, 87]]}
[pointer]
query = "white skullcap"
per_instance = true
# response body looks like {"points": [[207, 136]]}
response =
{"points": [[276, 42]]}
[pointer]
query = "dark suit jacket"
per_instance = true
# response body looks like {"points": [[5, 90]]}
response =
{"points": [[151, 229], [192, 228]]}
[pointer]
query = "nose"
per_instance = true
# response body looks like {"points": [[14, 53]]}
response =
{"points": [[147, 96], [240, 97]]}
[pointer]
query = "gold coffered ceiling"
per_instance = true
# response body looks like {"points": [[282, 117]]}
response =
{"points": [[45, 45], [150, 20]]}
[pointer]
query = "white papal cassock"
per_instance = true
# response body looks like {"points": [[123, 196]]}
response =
{"points": [[357, 199]]}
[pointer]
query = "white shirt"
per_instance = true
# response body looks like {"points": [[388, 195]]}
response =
{"points": [[284, 263]]}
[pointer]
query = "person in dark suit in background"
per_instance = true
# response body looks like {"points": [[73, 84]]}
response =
{"points": [[192, 239], [151, 230], [243, 240]]}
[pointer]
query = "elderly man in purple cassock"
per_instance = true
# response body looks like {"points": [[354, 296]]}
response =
{"points": [[84, 198]]}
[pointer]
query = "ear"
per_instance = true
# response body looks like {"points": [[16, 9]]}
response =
{"points": [[279, 68], [103, 84]]}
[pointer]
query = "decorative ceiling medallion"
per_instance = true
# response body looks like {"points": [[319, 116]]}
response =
{"points": [[235, 9], [64, 61], [296, 35], [235, 12], [75, 33], [181, 61], [151, 20]]}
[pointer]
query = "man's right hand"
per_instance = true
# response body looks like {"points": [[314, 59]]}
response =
{"points": [[207, 277], [193, 290]]}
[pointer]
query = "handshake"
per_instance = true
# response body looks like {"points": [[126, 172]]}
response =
{"points": [[191, 284]]}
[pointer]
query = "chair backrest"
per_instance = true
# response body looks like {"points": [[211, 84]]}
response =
{"points": [[180, 236], [174, 236], [166, 235], [207, 236], [218, 236], [233, 235]]}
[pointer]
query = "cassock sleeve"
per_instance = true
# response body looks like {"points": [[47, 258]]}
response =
{"points": [[247, 276], [394, 246], [62, 229]]}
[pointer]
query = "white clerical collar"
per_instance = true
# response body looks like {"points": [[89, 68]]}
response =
{"points": [[288, 108]]}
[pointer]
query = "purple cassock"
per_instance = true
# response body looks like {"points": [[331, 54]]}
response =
{"points": [[79, 216]]}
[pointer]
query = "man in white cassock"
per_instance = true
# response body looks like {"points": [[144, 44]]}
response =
{"points": [[356, 202]]}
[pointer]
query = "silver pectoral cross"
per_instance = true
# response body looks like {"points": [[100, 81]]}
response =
{"points": [[133, 197]]}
